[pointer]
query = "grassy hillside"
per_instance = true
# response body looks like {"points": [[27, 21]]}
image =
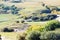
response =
{"points": [[28, 8], [10, 36]]}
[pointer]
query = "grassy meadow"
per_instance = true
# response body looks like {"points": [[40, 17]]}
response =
{"points": [[42, 24]]}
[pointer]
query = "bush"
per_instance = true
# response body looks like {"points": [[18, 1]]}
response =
{"points": [[34, 35], [46, 11], [14, 9], [22, 21], [35, 18], [29, 17], [17, 22], [52, 25], [22, 37], [48, 17], [41, 18], [8, 30], [6, 8], [35, 27], [50, 36], [51, 17]]}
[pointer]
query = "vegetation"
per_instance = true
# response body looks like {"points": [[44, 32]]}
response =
{"points": [[41, 18], [52, 25], [45, 32], [50, 36], [34, 35], [13, 9], [44, 29], [22, 37], [8, 30], [35, 27]]}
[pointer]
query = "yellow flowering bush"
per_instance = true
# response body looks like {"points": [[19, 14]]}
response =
{"points": [[36, 28]]}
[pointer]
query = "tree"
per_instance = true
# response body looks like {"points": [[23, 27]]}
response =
{"points": [[52, 25], [34, 35], [49, 36]]}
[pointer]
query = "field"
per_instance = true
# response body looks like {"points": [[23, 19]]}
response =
{"points": [[7, 19], [13, 21], [10, 36]]}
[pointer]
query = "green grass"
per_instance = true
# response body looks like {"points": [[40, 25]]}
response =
{"points": [[7, 19]]}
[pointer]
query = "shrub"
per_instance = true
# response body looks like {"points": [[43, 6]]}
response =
{"points": [[7, 30], [26, 18], [14, 9], [35, 27], [46, 11], [48, 17], [6, 8], [52, 25], [35, 18], [17, 21], [29, 17], [44, 18], [50, 36], [51, 17], [22, 21], [22, 37], [34, 35], [58, 36]]}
